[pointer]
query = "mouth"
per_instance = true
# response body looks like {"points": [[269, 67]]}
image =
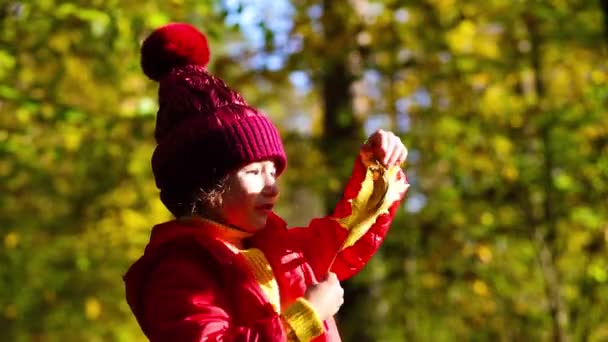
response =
{"points": [[266, 208]]}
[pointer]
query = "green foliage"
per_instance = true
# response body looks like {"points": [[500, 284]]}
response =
{"points": [[76, 131], [501, 103], [504, 104]]}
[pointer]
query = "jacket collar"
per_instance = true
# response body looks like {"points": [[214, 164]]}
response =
{"points": [[197, 227]]}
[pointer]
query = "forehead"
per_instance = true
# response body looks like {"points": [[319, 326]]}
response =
{"points": [[241, 176], [263, 163]]}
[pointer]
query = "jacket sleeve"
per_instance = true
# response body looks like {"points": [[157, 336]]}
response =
{"points": [[184, 302], [344, 241]]}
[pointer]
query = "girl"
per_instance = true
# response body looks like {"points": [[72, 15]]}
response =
{"points": [[227, 268]]}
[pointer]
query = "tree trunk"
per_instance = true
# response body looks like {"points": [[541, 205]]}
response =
{"points": [[543, 235]]}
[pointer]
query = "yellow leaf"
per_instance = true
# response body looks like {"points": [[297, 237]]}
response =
{"points": [[502, 146], [445, 4], [10, 311], [598, 77], [92, 308], [379, 191], [487, 218], [461, 38], [510, 173], [480, 288], [484, 253], [71, 140], [133, 218], [430, 280], [480, 80], [11, 240]]}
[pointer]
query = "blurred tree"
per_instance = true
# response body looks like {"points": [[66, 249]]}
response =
{"points": [[502, 104], [497, 101], [76, 134]]}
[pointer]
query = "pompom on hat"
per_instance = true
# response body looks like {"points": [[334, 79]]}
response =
{"points": [[204, 130]]}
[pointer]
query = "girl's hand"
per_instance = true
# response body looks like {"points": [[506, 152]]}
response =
{"points": [[384, 147], [326, 297]]}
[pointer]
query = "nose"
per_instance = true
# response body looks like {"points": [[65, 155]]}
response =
{"points": [[271, 188]]}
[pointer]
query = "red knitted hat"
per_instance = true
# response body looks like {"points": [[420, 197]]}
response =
{"points": [[204, 129]]}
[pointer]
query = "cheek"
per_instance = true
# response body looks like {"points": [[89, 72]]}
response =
{"points": [[252, 186], [237, 201], [239, 211]]}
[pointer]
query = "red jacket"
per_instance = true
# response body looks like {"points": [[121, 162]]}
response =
{"points": [[189, 286]]}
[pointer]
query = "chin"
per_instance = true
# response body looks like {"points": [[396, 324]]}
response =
{"points": [[259, 224]]}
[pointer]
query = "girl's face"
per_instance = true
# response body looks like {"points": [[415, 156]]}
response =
{"points": [[250, 196]]}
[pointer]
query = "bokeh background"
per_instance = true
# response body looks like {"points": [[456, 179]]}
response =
{"points": [[502, 103]]}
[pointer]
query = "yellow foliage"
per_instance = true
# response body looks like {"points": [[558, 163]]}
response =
{"points": [[7, 62], [444, 5], [516, 120], [50, 296], [23, 115], [598, 76], [6, 167], [507, 214], [487, 47], [156, 19], [494, 98], [133, 218], [472, 38], [598, 272], [72, 139], [489, 306], [600, 333], [60, 41], [11, 240], [458, 219], [480, 288], [486, 218], [521, 307], [502, 146], [510, 172], [484, 253], [483, 164], [560, 82], [379, 190], [10, 312], [481, 129], [461, 39], [92, 308], [446, 8], [480, 80], [592, 131], [571, 292], [430, 280]]}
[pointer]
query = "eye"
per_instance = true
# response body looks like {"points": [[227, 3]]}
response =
{"points": [[270, 169], [254, 172]]}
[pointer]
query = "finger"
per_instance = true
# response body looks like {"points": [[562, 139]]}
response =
{"points": [[331, 276], [390, 151], [366, 151], [400, 152], [395, 152], [374, 140], [381, 148], [400, 158], [366, 146], [402, 155]]}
